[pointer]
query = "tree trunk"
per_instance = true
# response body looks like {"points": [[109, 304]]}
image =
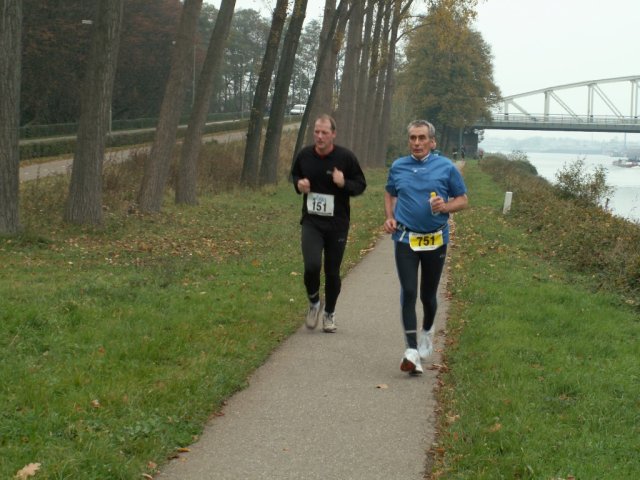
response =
{"points": [[385, 118], [363, 75], [156, 167], [324, 69], [10, 66], [84, 204], [367, 119], [345, 114], [187, 171], [374, 145], [271, 154], [341, 11], [251, 162]]}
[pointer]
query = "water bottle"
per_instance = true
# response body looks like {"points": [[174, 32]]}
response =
{"points": [[431, 199]]}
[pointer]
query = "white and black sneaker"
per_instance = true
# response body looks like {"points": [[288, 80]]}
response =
{"points": [[425, 343], [411, 362], [329, 322], [313, 315]]}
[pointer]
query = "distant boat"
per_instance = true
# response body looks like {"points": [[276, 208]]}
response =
{"points": [[627, 162], [632, 159]]}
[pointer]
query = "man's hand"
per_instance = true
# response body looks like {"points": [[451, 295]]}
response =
{"points": [[304, 185], [338, 177], [438, 205], [390, 225]]}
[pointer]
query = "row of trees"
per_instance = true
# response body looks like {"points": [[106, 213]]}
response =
{"points": [[57, 37], [359, 46]]}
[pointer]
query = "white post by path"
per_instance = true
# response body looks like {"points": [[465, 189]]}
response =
{"points": [[507, 202]]}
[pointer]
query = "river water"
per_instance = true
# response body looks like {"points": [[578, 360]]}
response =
{"points": [[625, 201]]}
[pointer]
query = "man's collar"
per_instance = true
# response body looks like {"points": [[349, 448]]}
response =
{"points": [[421, 160], [323, 155]]}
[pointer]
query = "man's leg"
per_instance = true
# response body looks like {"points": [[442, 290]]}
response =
{"points": [[431, 266], [432, 263], [407, 266], [312, 245], [334, 247]]}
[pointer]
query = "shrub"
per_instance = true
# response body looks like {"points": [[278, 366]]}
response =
{"points": [[574, 181]]}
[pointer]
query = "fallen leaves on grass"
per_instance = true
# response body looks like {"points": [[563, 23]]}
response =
{"points": [[28, 471], [495, 428]]}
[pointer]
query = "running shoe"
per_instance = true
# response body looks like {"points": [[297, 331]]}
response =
{"points": [[411, 362], [313, 315], [329, 322], [425, 343]]}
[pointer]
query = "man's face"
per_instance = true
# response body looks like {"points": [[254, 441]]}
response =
{"points": [[323, 136], [420, 144]]}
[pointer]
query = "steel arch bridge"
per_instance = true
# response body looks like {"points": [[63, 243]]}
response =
{"points": [[600, 112]]}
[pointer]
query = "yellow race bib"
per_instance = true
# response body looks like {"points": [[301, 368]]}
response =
{"points": [[425, 241]]}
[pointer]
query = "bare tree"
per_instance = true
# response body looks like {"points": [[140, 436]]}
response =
{"points": [[84, 204], [325, 69], [325, 98], [399, 12], [342, 12], [271, 154], [187, 171], [10, 62], [363, 76], [363, 146], [156, 167], [251, 162], [345, 114], [374, 131]]}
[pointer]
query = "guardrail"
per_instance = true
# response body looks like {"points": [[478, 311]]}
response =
{"points": [[604, 123], [567, 119]]}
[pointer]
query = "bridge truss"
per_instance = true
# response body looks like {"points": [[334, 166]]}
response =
{"points": [[611, 120]]}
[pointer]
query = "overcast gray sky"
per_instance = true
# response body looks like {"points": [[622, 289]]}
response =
{"points": [[545, 43]]}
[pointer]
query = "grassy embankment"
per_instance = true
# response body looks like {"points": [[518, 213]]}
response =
{"points": [[542, 375], [118, 343]]}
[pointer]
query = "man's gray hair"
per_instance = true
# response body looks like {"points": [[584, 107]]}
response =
{"points": [[423, 123]]}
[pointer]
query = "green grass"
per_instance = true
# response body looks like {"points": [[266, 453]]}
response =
{"points": [[542, 377], [119, 343]]}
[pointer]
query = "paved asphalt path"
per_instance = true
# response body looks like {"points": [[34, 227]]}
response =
{"points": [[329, 406], [63, 165]]}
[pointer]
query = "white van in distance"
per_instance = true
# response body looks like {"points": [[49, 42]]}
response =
{"points": [[297, 109]]}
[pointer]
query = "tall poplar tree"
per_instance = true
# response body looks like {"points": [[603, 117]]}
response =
{"points": [[271, 154], [341, 13], [157, 164], [10, 61], [84, 203], [346, 111], [251, 164], [187, 170]]}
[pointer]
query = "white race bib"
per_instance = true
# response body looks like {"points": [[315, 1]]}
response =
{"points": [[320, 204]]}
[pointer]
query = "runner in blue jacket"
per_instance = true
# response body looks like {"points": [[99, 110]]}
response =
{"points": [[422, 190]]}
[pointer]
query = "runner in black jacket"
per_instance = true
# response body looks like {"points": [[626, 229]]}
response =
{"points": [[327, 175]]}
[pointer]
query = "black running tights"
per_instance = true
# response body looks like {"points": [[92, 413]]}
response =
{"points": [[314, 241], [431, 263]]}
